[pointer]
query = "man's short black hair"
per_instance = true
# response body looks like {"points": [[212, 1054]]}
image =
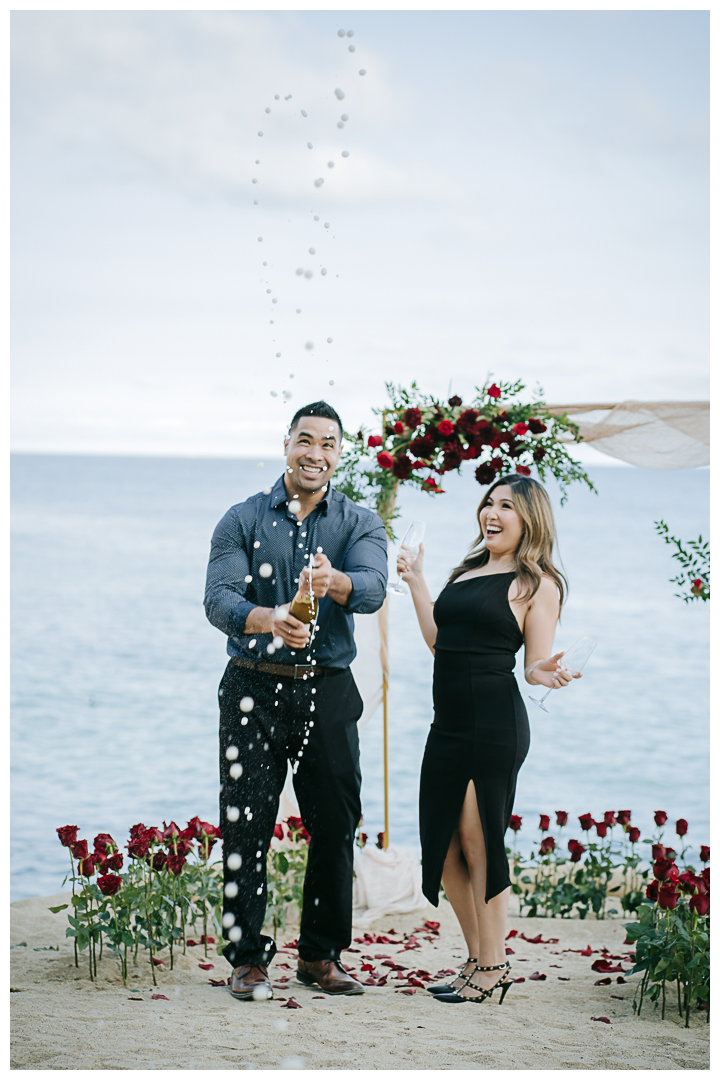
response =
{"points": [[317, 408]]}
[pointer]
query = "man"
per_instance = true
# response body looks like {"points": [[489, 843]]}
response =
{"points": [[283, 698]]}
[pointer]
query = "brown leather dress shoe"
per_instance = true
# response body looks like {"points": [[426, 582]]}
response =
{"points": [[251, 983], [329, 975]]}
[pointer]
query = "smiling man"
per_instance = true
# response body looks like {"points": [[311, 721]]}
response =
{"points": [[282, 699]]}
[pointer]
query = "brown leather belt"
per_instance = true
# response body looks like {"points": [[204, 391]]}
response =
{"points": [[291, 671]]}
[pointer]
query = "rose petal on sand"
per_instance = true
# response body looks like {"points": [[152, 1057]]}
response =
{"points": [[602, 1019], [291, 1003], [537, 976], [160, 997], [206, 967]]}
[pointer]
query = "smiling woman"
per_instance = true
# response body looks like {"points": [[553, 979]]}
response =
{"points": [[506, 592]]}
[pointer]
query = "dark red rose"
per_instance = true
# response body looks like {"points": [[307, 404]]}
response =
{"points": [[484, 474], [175, 863], [668, 897], [109, 884], [601, 829], [586, 822], [453, 458], [561, 817], [548, 845], [520, 429], [169, 831], [670, 853], [79, 849], [697, 586], [375, 440], [380, 840], [297, 830], [158, 860], [633, 833], [523, 470], [446, 427], [138, 848], [544, 822], [610, 818], [104, 844], [658, 851], [515, 822], [115, 861], [577, 852], [68, 835], [706, 876], [660, 817], [493, 391], [278, 832], [385, 460], [536, 426], [413, 417], [398, 427], [652, 891], [571, 844], [205, 847], [467, 420], [422, 447], [496, 464], [538, 453], [681, 826], [455, 401], [86, 866], [623, 817], [661, 868], [182, 847], [362, 839], [402, 467], [136, 831], [704, 853], [195, 824], [687, 881], [700, 904]]}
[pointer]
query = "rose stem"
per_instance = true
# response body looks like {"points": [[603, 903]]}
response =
{"points": [[72, 874], [149, 930], [172, 925], [123, 963]]}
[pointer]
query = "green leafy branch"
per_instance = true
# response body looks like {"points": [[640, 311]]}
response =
{"points": [[695, 561]]}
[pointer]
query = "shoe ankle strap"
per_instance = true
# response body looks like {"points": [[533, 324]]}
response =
{"points": [[495, 967]]}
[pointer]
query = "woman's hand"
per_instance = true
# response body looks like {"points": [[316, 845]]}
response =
{"points": [[410, 565], [552, 674]]}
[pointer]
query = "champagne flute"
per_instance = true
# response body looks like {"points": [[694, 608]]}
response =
{"points": [[573, 660], [412, 540]]}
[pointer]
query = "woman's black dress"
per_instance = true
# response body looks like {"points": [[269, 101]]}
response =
{"points": [[480, 731]]}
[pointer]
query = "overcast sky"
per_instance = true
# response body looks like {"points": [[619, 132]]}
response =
{"points": [[525, 193]]}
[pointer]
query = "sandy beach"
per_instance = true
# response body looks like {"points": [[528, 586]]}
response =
{"points": [[60, 1020]]}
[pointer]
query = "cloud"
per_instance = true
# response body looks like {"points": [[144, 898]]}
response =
{"points": [[180, 101]]}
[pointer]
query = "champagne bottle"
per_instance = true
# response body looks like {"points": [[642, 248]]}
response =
{"points": [[304, 607]]}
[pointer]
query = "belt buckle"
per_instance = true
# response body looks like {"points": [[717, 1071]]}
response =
{"points": [[301, 670]]}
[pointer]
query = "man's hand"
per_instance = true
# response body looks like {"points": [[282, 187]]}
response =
{"points": [[294, 633], [322, 576]]}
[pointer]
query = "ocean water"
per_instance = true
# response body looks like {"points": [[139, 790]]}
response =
{"points": [[115, 668]]}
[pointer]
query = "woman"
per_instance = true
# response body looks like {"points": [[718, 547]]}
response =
{"points": [[505, 592]]}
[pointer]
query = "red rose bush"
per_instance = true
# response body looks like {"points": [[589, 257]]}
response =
{"points": [[423, 438]]}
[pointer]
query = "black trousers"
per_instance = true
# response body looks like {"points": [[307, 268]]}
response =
{"points": [[327, 786]]}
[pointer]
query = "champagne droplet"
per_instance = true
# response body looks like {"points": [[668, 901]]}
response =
{"points": [[344, 116], [265, 570], [339, 94], [303, 113], [267, 110], [309, 345], [231, 753], [319, 182], [341, 33], [323, 271], [234, 861], [329, 341], [246, 703], [351, 48], [309, 146], [346, 153], [362, 71]]}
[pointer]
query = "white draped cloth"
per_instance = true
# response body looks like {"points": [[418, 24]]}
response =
{"points": [[649, 434]]}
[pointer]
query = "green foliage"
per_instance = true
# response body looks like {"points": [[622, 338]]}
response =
{"points": [[285, 877], [671, 947], [694, 579]]}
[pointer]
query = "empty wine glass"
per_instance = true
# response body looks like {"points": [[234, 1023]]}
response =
{"points": [[574, 660], [412, 540]]}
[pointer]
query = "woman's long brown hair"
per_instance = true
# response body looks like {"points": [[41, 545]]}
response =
{"points": [[534, 554]]}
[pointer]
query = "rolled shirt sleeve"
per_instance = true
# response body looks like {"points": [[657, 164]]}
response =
{"points": [[226, 604], [365, 564]]}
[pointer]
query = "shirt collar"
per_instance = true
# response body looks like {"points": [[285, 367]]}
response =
{"points": [[278, 495]]}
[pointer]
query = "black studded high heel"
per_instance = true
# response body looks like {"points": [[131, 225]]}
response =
{"points": [[483, 994], [448, 988]]}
